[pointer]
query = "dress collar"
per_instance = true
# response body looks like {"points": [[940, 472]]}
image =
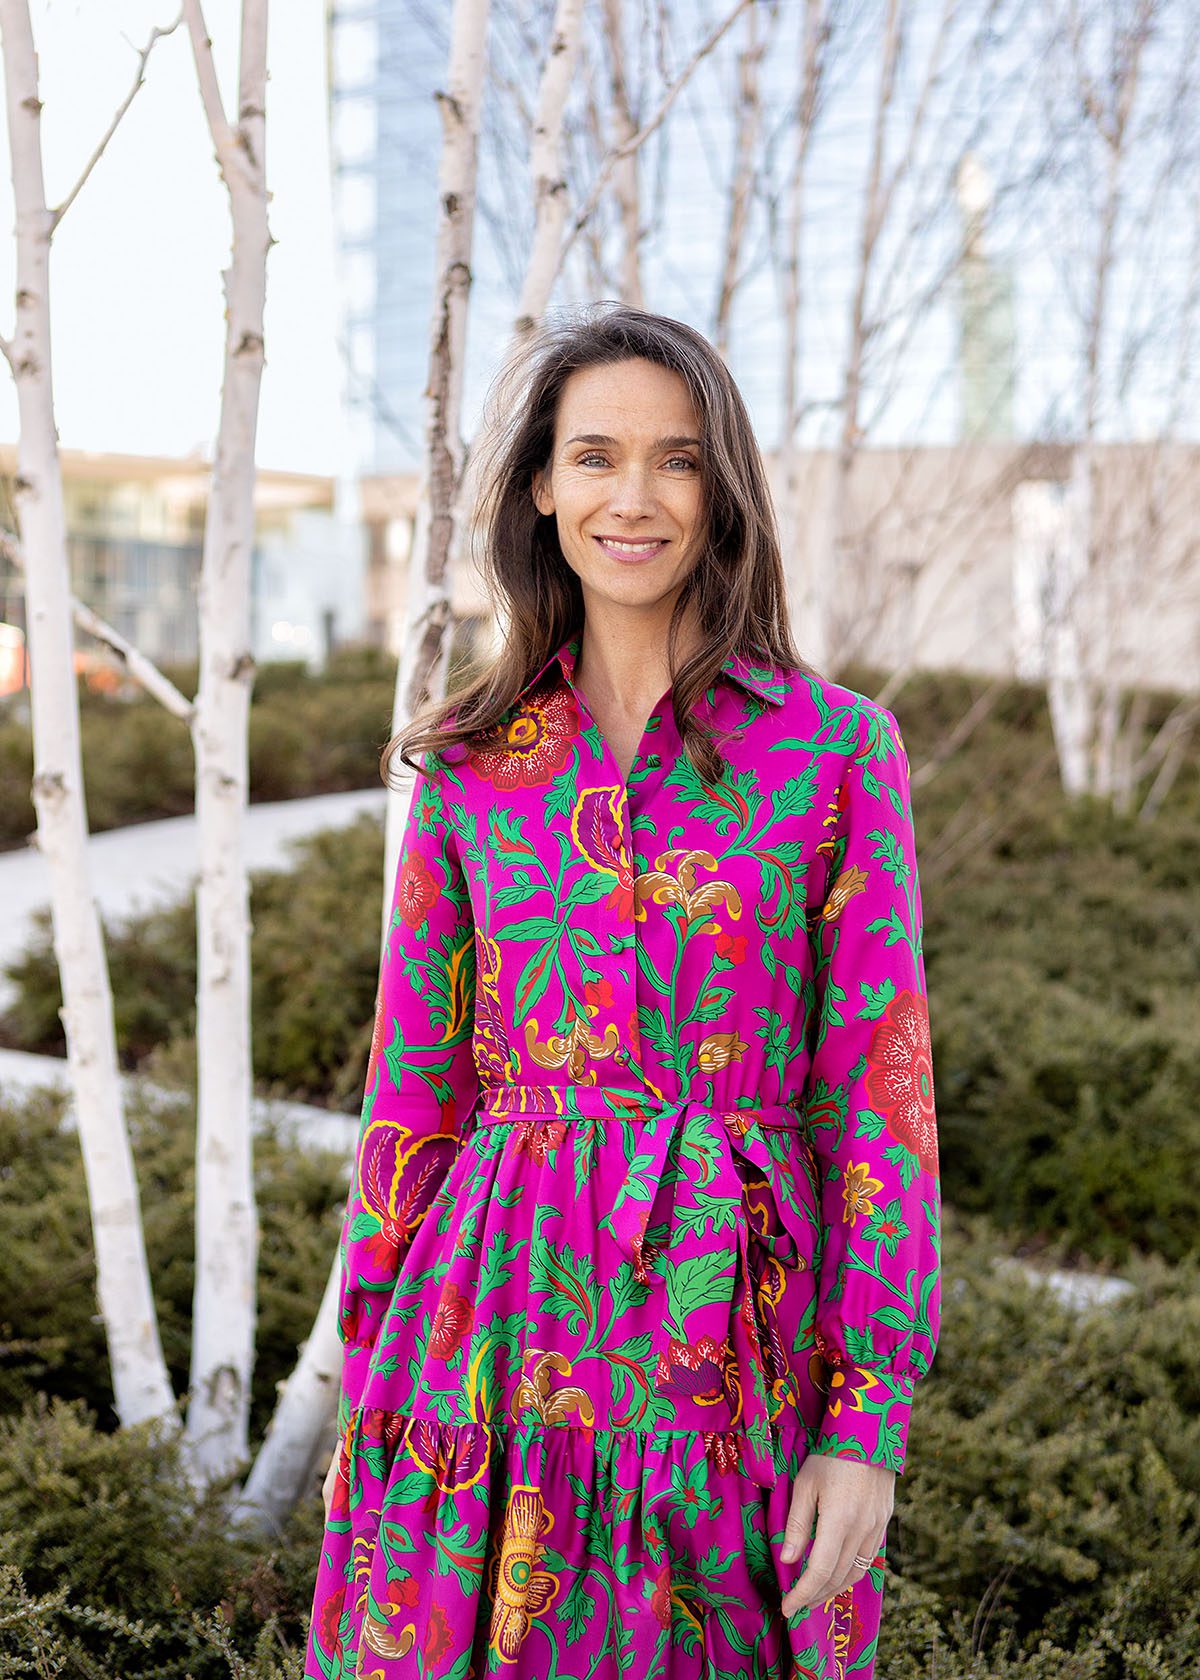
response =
{"points": [[762, 681]]}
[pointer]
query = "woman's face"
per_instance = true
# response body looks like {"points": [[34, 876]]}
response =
{"points": [[623, 483]]}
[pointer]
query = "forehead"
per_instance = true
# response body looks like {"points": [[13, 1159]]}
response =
{"points": [[632, 399]]}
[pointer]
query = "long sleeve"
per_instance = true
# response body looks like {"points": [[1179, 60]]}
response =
{"points": [[870, 1109], [421, 1078]]}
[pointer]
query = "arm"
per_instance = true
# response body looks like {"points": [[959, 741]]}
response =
{"points": [[421, 1078], [870, 1110]]}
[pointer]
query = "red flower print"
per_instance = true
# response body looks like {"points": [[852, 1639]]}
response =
{"points": [[597, 994], [900, 1076], [378, 1033], [536, 1136], [417, 892], [723, 1450], [452, 1321], [660, 1603], [731, 947], [401, 1595], [328, 1618], [529, 747], [439, 1637]]}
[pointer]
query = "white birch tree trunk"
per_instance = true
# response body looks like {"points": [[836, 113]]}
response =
{"points": [[545, 163], [420, 669], [303, 1428], [626, 190], [747, 130], [829, 551], [226, 1220], [141, 1385], [804, 559], [303, 1425]]}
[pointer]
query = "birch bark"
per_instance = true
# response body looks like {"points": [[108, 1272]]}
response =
{"points": [[142, 1389], [226, 1221]]}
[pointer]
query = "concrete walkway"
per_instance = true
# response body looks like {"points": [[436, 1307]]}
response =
{"points": [[296, 1123], [154, 863]]}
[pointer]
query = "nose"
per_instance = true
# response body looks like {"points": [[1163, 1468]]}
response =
{"points": [[632, 495]]}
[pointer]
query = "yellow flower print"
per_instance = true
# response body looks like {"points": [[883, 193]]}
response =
{"points": [[552, 1407], [520, 1589], [849, 883], [658, 886], [847, 1385], [857, 1189], [719, 1050], [573, 1049]]}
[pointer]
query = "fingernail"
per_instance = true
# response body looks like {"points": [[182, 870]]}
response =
{"points": [[790, 1553]]}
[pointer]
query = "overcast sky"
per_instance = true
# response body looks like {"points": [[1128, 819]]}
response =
{"points": [[136, 263]]}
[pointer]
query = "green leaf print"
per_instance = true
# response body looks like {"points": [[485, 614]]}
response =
{"points": [[695, 1283], [797, 795], [877, 999], [869, 1125], [711, 1213], [497, 1267], [860, 1345], [534, 979], [364, 1225], [566, 1280]]}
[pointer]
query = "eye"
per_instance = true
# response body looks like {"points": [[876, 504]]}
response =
{"points": [[591, 455], [686, 461]]}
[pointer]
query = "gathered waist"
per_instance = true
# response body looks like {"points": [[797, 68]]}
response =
{"points": [[633, 1105]]}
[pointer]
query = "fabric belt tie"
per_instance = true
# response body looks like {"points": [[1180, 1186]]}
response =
{"points": [[765, 1215]]}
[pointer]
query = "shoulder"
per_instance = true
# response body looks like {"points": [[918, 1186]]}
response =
{"points": [[843, 719]]}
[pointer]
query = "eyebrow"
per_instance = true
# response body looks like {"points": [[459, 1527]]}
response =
{"points": [[609, 442]]}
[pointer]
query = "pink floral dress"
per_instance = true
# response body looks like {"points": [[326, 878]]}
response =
{"points": [[646, 1203]]}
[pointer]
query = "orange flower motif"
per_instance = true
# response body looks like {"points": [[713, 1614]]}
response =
{"points": [[657, 886], [551, 1406], [719, 1050], [857, 1189], [848, 885], [520, 1589], [900, 1076], [529, 748]]}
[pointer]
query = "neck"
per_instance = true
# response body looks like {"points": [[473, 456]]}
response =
{"points": [[622, 663]]}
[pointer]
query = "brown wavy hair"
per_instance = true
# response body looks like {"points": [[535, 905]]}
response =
{"points": [[737, 582]]}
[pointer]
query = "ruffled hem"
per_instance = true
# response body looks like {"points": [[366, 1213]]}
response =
{"points": [[486, 1547]]}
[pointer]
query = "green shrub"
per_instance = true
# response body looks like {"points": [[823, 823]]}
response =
{"points": [[111, 1570], [308, 734], [52, 1341], [314, 956], [1053, 1479]]}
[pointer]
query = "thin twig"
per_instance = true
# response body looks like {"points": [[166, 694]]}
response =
{"points": [[157, 35], [619, 153], [141, 669]]}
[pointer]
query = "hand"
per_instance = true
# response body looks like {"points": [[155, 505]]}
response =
{"points": [[853, 1502], [330, 1482]]}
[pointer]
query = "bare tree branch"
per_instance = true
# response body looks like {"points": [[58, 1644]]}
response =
{"points": [[141, 669], [619, 153], [156, 35]]}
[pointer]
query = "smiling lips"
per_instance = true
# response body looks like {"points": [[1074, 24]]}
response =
{"points": [[621, 550]]}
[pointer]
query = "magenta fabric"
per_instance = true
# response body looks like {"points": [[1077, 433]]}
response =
{"points": [[646, 1204]]}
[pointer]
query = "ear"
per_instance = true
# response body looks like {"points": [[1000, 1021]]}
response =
{"points": [[542, 498]]}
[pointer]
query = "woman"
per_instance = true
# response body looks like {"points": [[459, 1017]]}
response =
{"points": [[641, 1256]]}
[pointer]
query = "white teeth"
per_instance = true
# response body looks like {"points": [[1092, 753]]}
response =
{"points": [[630, 548]]}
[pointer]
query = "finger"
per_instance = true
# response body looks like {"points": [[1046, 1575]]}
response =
{"points": [[799, 1526], [813, 1586], [847, 1572]]}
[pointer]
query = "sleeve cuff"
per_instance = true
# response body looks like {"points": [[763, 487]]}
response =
{"points": [[866, 1416]]}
